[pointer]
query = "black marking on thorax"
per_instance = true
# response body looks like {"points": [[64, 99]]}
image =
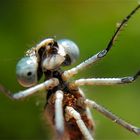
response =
{"points": [[63, 85]]}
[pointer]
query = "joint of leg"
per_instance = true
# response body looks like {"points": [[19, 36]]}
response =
{"points": [[136, 130], [90, 104], [18, 96], [102, 54], [72, 86], [52, 83], [73, 113], [80, 101], [127, 79], [69, 73], [59, 95], [136, 75]]}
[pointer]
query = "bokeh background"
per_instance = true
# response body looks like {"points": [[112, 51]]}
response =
{"points": [[90, 23]]}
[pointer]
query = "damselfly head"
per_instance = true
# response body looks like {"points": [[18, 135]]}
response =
{"points": [[54, 54], [47, 55]]}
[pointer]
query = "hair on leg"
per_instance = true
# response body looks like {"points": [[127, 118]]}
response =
{"points": [[106, 81], [59, 119], [22, 94], [70, 73], [72, 113], [111, 116]]}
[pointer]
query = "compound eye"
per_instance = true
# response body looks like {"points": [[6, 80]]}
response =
{"points": [[71, 50], [26, 71]]}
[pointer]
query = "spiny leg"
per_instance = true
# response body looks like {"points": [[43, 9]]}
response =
{"points": [[59, 119], [70, 73], [71, 113], [43, 86], [105, 81], [114, 118]]}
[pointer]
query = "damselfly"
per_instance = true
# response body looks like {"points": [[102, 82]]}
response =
{"points": [[66, 106]]}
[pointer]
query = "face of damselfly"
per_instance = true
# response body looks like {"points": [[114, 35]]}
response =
{"points": [[47, 55]]}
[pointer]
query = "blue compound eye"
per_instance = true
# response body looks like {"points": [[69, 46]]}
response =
{"points": [[26, 71], [71, 50]]}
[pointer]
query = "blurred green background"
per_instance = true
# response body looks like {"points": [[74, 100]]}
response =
{"points": [[90, 23]]}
